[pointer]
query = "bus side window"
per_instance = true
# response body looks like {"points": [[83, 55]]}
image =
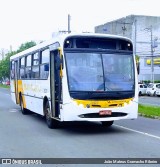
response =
{"points": [[35, 66], [44, 66], [12, 70], [22, 66], [28, 67]]}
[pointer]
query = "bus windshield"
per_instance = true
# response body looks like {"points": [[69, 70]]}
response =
{"points": [[100, 71]]}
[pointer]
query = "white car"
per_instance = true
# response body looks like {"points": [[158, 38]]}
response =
{"points": [[142, 89], [151, 89], [158, 90]]}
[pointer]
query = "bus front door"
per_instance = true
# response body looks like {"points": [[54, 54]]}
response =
{"points": [[55, 83], [16, 81]]}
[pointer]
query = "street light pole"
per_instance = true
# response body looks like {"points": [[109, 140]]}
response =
{"points": [[135, 24], [69, 19], [152, 65], [69, 26], [152, 51]]}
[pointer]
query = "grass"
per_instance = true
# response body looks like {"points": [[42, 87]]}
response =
{"points": [[149, 111], [4, 86]]}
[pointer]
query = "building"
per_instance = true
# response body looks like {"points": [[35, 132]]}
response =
{"points": [[145, 34]]}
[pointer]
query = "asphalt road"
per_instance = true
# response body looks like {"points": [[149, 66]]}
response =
{"points": [[27, 136], [149, 100]]}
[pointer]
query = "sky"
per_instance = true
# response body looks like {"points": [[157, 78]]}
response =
{"points": [[25, 20]]}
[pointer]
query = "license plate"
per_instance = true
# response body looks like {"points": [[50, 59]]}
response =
{"points": [[105, 112]]}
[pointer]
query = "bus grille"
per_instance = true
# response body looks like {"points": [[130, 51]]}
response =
{"points": [[96, 115]]}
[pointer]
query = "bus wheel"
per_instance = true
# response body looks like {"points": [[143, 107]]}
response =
{"points": [[23, 110], [107, 123], [51, 123]]}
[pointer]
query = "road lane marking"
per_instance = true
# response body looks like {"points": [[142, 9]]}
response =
{"points": [[13, 110], [143, 133]]}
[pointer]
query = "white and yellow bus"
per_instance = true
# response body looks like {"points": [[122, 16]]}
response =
{"points": [[77, 77]]}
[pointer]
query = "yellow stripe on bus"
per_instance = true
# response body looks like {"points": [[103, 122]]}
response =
{"points": [[60, 52], [20, 89], [102, 103]]}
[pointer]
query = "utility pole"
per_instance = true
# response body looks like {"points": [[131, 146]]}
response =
{"points": [[10, 48], [2, 54], [69, 26], [69, 20], [152, 51], [135, 39], [152, 65], [124, 29]]}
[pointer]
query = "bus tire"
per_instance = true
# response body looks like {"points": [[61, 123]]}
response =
{"points": [[107, 123], [51, 123], [23, 110]]}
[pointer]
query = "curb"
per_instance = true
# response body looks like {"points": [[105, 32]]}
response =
{"points": [[149, 116]]}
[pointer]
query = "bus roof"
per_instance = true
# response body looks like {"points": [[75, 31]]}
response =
{"points": [[61, 37]]}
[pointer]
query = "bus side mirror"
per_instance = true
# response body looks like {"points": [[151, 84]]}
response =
{"points": [[138, 67]]}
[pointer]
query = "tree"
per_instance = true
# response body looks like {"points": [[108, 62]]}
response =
{"points": [[25, 46], [5, 63]]}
